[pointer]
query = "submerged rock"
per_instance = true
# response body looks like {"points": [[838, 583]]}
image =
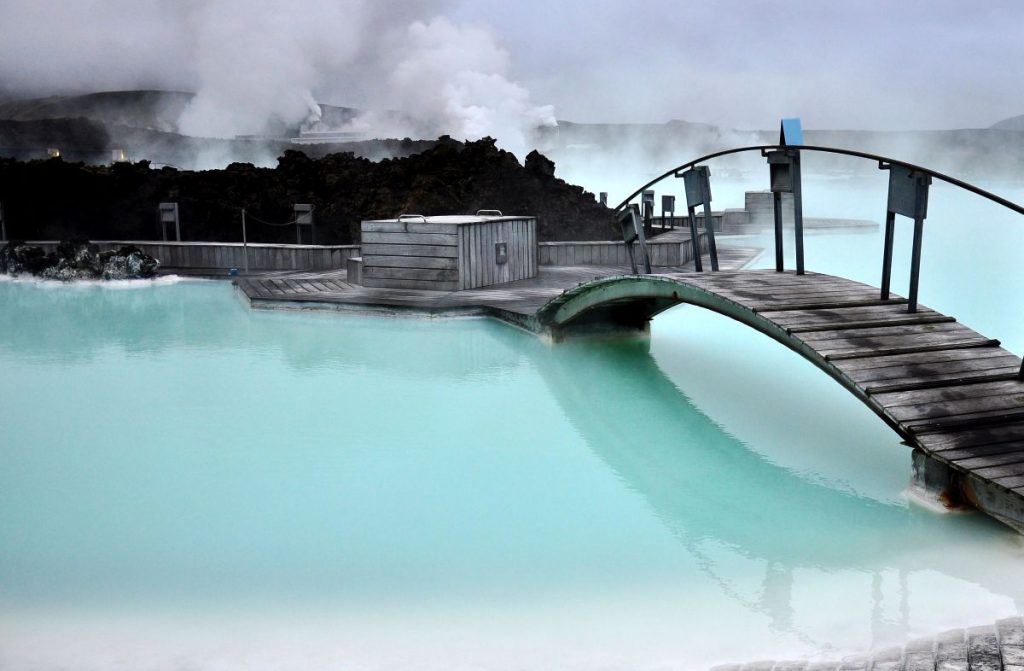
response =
{"points": [[77, 260]]}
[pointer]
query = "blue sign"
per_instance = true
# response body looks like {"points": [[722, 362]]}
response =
{"points": [[791, 133]]}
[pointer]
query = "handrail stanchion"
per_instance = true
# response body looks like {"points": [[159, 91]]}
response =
{"points": [[780, 264], [697, 183], [915, 262], [633, 232], [784, 173], [798, 213], [791, 133], [890, 230], [908, 195], [245, 245], [698, 265]]}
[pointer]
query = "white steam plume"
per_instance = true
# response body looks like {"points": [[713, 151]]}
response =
{"points": [[457, 78], [261, 66], [259, 62]]}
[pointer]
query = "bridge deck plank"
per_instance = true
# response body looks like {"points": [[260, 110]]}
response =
{"points": [[915, 359], [987, 361], [866, 325], [769, 306], [888, 330], [969, 408], [869, 346], [1015, 456], [916, 383], [952, 454], [812, 317]]}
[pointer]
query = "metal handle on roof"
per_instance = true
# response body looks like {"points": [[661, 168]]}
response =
{"points": [[403, 217], [488, 213]]}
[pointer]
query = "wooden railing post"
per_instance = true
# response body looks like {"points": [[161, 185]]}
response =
{"points": [[779, 261], [694, 240], [697, 182], [798, 213], [784, 172], [908, 196], [890, 229]]}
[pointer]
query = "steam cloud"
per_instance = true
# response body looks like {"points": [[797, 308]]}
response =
{"points": [[261, 66]]}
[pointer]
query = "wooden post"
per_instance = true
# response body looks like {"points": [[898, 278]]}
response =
{"points": [[915, 263], [709, 226], [798, 214], [890, 231], [694, 240], [779, 262], [245, 245], [641, 239], [908, 195], [784, 170], [697, 182]]}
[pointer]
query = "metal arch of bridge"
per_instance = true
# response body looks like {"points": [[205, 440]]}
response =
{"points": [[884, 160], [950, 392]]}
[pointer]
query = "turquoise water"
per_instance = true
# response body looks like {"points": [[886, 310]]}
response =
{"points": [[189, 484]]}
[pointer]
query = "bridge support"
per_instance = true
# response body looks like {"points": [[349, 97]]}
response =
{"points": [[957, 490]]}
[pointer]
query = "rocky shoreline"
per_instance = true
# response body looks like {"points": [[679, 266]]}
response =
{"points": [[77, 260], [54, 200]]}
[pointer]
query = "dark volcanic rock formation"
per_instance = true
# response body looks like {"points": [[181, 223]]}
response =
{"points": [[47, 200], [77, 260]]}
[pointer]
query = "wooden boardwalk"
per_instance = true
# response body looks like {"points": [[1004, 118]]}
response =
{"points": [[950, 392], [515, 302], [987, 648]]}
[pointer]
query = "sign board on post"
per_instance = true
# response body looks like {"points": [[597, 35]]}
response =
{"points": [[697, 182], [908, 196], [304, 217], [908, 192], [633, 232], [782, 170], [168, 213]]}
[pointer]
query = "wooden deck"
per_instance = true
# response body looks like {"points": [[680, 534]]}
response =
{"points": [[511, 301], [949, 391]]}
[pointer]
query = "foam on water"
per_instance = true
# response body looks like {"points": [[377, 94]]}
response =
{"points": [[81, 285]]}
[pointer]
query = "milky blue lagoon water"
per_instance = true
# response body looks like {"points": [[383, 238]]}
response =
{"points": [[186, 483]]}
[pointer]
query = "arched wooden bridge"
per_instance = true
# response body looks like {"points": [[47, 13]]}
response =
{"points": [[953, 394], [950, 392]]}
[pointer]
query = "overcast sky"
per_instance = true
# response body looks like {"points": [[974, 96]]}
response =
{"points": [[737, 63]]}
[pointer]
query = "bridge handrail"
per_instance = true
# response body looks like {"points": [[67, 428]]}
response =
{"points": [[882, 160]]}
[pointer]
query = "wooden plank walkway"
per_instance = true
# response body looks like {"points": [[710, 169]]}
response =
{"points": [[949, 391], [986, 648], [520, 299]]}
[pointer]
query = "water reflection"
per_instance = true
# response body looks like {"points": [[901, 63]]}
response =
{"points": [[39, 316], [727, 504]]}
